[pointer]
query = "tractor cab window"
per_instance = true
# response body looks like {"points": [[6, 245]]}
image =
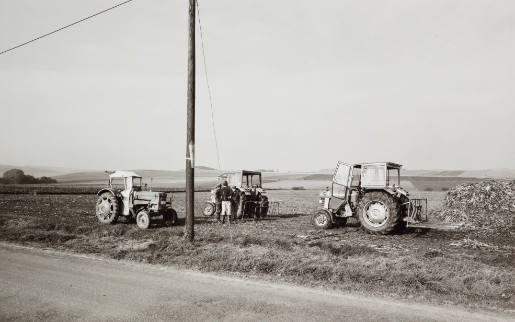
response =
{"points": [[255, 180], [356, 177], [136, 184], [118, 183], [373, 176], [341, 180], [393, 177], [251, 180], [339, 191], [341, 174], [245, 181]]}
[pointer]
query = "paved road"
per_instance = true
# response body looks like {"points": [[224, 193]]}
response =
{"points": [[47, 285]]}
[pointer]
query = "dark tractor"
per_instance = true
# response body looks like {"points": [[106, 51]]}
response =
{"points": [[371, 193], [253, 199]]}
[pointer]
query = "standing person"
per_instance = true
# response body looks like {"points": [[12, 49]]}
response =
{"points": [[235, 202], [254, 206], [218, 201], [226, 202], [241, 205]]}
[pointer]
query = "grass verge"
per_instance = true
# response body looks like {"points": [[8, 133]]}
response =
{"points": [[433, 266]]}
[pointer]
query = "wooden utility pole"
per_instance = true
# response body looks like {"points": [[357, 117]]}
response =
{"points": [[190, 137]]}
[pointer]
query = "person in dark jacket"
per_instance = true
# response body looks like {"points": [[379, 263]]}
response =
{"points": [[226, 202], [235, 202], [218, 201]]}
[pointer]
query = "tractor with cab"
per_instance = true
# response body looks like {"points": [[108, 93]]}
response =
{"points": [[371, 193], [248, 184], [125, 196]]}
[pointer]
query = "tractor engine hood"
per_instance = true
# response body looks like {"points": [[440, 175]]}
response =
{"points": [[325, 194], [148, 195], [248, 191]]}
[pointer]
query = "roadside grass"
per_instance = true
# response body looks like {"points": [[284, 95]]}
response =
{"points": [[416, 265]]}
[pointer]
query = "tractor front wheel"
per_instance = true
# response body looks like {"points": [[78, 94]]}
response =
{"points": [[170, 217], [379, 213], [107, 208], [322, 220], [209, 210], [143, 219]]}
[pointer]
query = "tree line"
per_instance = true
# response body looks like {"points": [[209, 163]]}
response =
{"points": [[17, 176]]}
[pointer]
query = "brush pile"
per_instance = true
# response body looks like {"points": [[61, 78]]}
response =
{"points": [[486, 205]]}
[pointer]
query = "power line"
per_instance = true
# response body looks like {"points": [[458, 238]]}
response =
{"points": [[64, 27], [208, 88]]}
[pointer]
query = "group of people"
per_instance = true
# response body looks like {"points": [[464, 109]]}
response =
{"points": [[228, 202], [234, 203]]}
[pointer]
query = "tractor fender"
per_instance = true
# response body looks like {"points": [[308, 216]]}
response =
{"points": [[332, 214], [396, 193], [101, 191], [387, 190]]}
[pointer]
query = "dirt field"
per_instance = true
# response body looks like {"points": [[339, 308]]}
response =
{"points": [[441, 267]]}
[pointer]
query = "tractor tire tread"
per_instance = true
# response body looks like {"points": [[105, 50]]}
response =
{"points": [[395, 218], [170, 217], [114, 202], [329, 223]]}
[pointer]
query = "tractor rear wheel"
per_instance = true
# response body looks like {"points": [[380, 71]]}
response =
{"points": [[322, 219], [107, 208], [170, 217], [379, 213], [143, 219]]}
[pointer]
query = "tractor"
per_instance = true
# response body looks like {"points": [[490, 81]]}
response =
{"points": [[371, 193], [248, 184], [124, 196]]}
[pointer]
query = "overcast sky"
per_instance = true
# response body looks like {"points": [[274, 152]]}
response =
{"points": [[297, 84]]}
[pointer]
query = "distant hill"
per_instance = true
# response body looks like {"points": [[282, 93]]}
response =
{"points": [[208, 176], [490, 173], [201, 167], [38, 171], [82, 177], [319, 176], [486, 173], [157, 176]]}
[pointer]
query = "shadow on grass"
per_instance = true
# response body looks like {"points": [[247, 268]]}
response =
{"points": [[284, 216]]}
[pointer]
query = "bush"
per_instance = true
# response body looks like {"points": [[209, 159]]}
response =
{"points": [[47, 180], [16, 176]]}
